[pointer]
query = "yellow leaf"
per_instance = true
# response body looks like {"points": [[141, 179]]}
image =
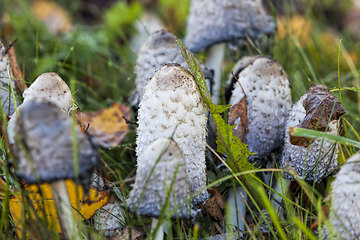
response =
{"points": [[42, 200], [107, 126], [297, 26]]}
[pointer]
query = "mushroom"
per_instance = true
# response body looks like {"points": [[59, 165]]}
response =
{"points": [[161, 181], [345, 205], [260, 102], [172, 106], [159, 49], [212, 23], [44, 153], [317, 110], [7, 100], [48, 86]]}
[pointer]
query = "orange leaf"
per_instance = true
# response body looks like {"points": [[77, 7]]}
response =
{"points": [[107, 126], [42, 200]]}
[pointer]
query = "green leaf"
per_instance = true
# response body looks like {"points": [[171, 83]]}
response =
{"points": [[236, 151]]}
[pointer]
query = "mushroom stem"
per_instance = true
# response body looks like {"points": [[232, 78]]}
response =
{"points": [[159, 234], [236, 209], [281, 187], [64, 209], [214, 59]]}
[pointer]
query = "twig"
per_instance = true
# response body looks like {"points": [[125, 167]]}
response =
{"points": [[10, 45], [129, 122]]}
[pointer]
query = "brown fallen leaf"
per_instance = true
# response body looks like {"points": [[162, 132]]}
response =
{"points": [[239, 111], [55, 17], [107, 126], [136, 233], [321, 108], [84, 207], [215, 205], [20, 84]]}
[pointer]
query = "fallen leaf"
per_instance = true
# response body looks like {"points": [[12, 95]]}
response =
{"points": [[321, 108], [41, 199], [55, 17], [107, 126], [239, 112], [20, 84], [215, 204], [136, 233]]}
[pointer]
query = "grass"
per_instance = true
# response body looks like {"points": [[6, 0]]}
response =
{"points": [[97, 62]]}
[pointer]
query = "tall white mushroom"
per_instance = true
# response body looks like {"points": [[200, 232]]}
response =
{"points": [[161, 181], [260, 120], [44, 153], [6, 98], [212, 23], [172, 106], [345, 205], [48, 86]]}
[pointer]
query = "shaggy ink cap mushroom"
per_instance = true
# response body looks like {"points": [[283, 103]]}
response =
{"points": [[5, 90], [52, 87], [172, 106], [215, 21], [268, 101], [345, 205], [315, 161], [44, 146], [161, 173], [159, 49]]}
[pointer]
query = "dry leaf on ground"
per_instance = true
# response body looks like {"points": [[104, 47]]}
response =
{"points": [[107, 126], [43, 203], [215, 204]]}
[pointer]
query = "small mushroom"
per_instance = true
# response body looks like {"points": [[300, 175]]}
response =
{"points": [[161, 180], [48, 86], [345, 205], [261, 100], [159, 49], [44, 153], [212, 23], [266, 88], [315, 110], [7, 102], [172, 106]]}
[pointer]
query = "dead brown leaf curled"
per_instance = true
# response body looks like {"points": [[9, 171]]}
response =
{"points": [[107, 126], [215, 204], [321, 108]]}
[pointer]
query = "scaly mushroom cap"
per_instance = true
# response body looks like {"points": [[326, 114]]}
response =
{"points": [[53, 88], [44, 150], [345, 205], [172, 106], [161, 172], [268, 96], [214, 21], [5, 90], [313, 162], [159, 49], [48, 86]]}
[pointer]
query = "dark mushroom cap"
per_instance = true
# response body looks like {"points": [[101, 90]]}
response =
{"points": [[268, 101], [313, 162], [5, 96], [168, 178], [214, 21], [345, 205], [44, 145], [159, 49]]}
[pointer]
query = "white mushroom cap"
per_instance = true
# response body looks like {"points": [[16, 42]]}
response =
{"points": [[315, 161], [172, 106], [159, 49], [214, 21], [168, 178], [345, 205], [268, 95], [44, 152], [53, 88], [5, 91]]}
